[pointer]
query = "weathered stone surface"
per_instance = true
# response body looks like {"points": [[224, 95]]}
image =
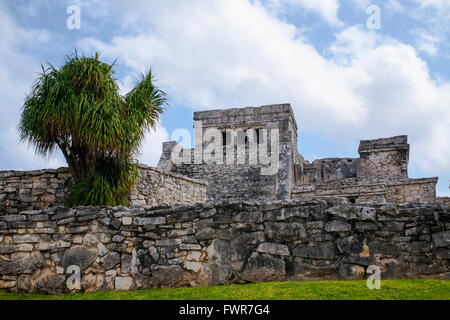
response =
{"points": [[152, 243], [417, 246], [168, 276], [306, 245], [368, 214], [150, 220], [25, 247], [111, 260], [7, 284], [192, 266], [205, 234], [337, 226], [45, 188], [286, 213], [50, 284], [357, 272], [303, 270], [45, 246], [203, 223], [167, 242], [383, 247], [181, 232], [7, 249], [350, 245], [249, 217], [101, 249], [27, 238], [79, 256], [24, 284], [285, 231], [273, 249], [251, 238], [342, 211], [320, 250], [123, 283], [442, 239], [21, 263], [125, 265], [186, 246], [126, 221], [263, 267]]}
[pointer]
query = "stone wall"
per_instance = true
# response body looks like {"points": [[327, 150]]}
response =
{"points": [[230, 182], [157, 188], [379, 175], [385, 158], [412, 190], [443, 200], [229, 179], [364, 190], [207, 244], [332, 169], [31, 190]]}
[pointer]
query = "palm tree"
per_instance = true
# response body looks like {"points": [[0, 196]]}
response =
{"points": [[79, 110]]}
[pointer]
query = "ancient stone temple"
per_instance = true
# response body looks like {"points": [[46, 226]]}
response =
{"points": [[241, 206], [380, 174]]}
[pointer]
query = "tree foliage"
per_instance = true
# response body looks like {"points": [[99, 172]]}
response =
{"points": [[79, 110]]}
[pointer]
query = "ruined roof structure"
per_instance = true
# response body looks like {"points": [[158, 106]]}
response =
{"points": [[380, 174]]}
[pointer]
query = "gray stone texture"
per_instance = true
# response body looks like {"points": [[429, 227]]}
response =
{"points": [[312, 240], [40, 189]]}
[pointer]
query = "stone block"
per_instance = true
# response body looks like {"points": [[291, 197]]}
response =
{"points": [[337, 226], [264, 267], [79, 256], [282, 231], [273, 249], [320, 250], [441, 239], [123, 283]]}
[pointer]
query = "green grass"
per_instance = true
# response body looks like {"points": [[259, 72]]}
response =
{"points": [[330, 290]]}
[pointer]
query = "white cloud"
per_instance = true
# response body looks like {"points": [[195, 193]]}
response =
{"points": [[362, 4], [427, 42], [394, 6], [151, 147], [18, 68], [222, 54], [235, 53], [438, 4], [327, 9], [204, 54], [403, 99]]}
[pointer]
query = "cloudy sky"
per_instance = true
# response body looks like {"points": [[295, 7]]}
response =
{"points": [[345, 79]]}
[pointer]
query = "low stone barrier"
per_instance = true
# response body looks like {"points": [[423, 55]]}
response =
{"points": [[37, 189], [158, 188], [40, 189], [208, 244], [443, 200]]}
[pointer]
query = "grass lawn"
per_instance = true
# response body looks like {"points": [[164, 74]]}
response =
{"points": [[347, 290]]}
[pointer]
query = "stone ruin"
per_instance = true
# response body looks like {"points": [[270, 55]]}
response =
{"points": [[195, 222], [379, 175]]}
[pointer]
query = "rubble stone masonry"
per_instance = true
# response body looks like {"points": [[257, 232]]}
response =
{"points": [[221, 243], [30, 190]]}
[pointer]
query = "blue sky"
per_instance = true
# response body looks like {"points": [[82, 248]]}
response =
{"points": [[346, 82]]}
